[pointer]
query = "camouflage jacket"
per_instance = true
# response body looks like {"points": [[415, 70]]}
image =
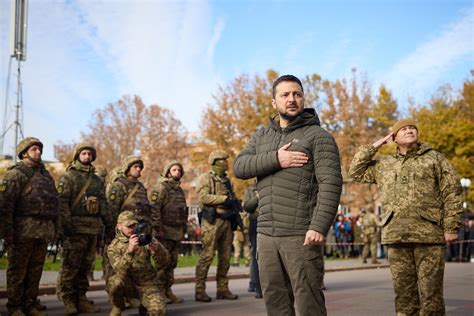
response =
{"points": [[169, 201], [420, 192], [136, 266], [370, 223], [211, 190], [88, 216], [28, 203], [119, 200]]}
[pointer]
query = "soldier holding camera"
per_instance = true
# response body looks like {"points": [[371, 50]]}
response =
{"points": [[83, 211], [171, 214], [217, 200], [127, 193], [133, 274]]}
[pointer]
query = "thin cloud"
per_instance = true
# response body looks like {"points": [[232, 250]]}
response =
{"points": [[424, 67]]}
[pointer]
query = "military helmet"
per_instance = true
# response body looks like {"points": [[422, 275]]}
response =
{"points": [[129, 162], [217, 154], [170, 164], [84, 145], [26, 143]]}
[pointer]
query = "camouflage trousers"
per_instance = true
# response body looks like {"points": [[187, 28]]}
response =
{"points": [[214, 237], [78, 255], [25, 266], [165, 268], [370, 245], [291, 273], [241, 241], [417, 275], [150, 296]]}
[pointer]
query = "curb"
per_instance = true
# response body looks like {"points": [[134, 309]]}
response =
{"points": [[100, 285]]}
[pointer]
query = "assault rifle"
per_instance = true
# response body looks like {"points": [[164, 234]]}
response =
{"points": [[235, 208]]}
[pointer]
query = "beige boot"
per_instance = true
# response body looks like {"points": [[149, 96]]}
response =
{"points": [[87, 307], [116, 311], [173, 298], [132, 303], [70, 309], [226, 295]]}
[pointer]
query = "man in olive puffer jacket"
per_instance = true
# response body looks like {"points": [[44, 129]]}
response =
{"points": [[297, 166]]}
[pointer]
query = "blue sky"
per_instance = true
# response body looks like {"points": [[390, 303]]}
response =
{"points": [[84, 54]]}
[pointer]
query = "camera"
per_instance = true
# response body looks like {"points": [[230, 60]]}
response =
{"points": [[142, 232]]}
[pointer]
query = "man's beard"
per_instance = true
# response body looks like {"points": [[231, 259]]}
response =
{"points": [[35, 160], [176, 178], [86, 163], [289, 117]]}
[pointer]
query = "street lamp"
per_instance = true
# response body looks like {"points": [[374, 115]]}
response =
{"points": [[465, 183]]}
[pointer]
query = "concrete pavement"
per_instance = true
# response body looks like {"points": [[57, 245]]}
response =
{"points": [[186, 275]]}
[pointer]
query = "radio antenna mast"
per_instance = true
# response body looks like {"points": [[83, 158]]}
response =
{"points": [[19, 12]]}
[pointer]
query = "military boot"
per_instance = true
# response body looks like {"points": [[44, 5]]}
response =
{"points": [[202, 297], [132, 303], [39, 306], [18, 312], [116, 311], [226, 295], [142, 310], [70, 309], [173, 298], [35, 312], [87, 307], [84, 298]]}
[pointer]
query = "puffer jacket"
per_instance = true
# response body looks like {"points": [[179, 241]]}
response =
{"points": [[420, 192], [293, 200]]}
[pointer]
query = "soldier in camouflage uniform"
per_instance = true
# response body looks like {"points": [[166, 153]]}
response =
{"points": [[101, 172], [168, 199], [132, 269], [370, 224], [422, 206], [241, 241], [30, 219], [83, 212], [127, 193], [213, 193]]}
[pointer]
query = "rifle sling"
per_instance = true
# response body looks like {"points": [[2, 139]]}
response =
{"points": [[81, 193], [129, 196]]}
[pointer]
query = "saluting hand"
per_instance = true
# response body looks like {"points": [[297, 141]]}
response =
{"points": [[291, 159], [382, 141]]}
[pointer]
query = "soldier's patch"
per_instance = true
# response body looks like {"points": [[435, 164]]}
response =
{"points": [[112, 195], [154, 196], [3, 185], [60, 187]]}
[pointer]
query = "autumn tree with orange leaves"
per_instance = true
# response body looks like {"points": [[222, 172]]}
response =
{"points": [[129, 127]]}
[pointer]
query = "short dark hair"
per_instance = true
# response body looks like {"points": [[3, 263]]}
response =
{"points": [[285, 78]]}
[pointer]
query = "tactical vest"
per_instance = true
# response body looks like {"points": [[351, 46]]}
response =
{"points": [[138, 203], [174, 212], [39, 197], [89, 204]]}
